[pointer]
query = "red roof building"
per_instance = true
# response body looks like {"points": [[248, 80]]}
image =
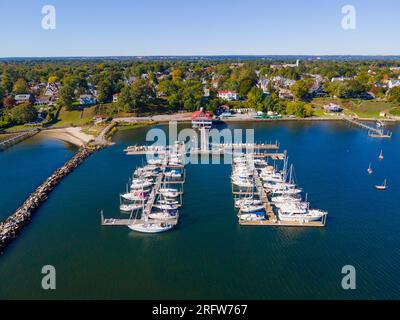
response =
{"points": [[202, 118]]}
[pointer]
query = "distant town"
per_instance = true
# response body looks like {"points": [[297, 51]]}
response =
{"points": [[86, 92]]}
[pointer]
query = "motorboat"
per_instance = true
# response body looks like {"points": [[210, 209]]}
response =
{"points": [[130, 207], [301, 215], [256, 216], [247, 202], [164, 215], [252, 208]]}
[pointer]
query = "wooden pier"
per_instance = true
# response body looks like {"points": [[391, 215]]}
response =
{"points": [[272, 219], [150, 202], [372, 131]]}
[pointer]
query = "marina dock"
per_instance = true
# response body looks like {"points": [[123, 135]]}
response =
{"points": [[271, 218], [372, 131], [160, 179]]}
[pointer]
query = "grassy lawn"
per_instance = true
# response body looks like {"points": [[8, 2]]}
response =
{"points": [[6, 136], [362, 108], [94, 130], [395, 111], [76, 117]]}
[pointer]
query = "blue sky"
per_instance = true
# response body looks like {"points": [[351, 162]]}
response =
{"points": [[198, 27]]}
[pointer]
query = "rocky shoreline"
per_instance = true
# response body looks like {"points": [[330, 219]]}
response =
{"points": [[10, 227]]}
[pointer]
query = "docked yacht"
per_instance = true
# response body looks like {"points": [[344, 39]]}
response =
{"points": [[130, 207], [252, 208], [256, 216], [145, 227], [164, 215], [247, 202], [299, 214]]}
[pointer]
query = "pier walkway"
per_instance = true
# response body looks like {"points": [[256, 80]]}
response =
{"points": [[372, 131], [150, 202]]}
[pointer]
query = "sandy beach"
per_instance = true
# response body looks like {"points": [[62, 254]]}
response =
{"points": [[73, 135]]}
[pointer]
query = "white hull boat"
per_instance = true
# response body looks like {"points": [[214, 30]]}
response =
{"points": [[247, 202], [251, 217], [309, 216], [130, 207], [133, 197], [251, 209], [150, 227], [163, 216]]}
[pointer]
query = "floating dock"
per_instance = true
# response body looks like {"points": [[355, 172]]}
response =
{"points": [[160, 179], [272, 219], [372, 131]]}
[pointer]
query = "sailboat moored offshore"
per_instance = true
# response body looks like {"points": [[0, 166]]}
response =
{"points": [[370, 171], [382, 187]]}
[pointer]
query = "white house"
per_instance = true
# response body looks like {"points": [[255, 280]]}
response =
{"points": [[340, 79], [263, 84], [116, 97], [227, 95], [52, 89], [393, 83]]}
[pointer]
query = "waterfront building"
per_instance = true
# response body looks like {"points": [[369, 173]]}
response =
{"points": [[227, 95], [202, 119]]}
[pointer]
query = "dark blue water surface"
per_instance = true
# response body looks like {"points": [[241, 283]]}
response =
{"points": [[209, 255]]}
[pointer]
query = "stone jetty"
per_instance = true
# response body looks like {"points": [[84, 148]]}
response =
{"points": [[10, 227]]}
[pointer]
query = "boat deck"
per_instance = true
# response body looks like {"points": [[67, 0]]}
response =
{"points": [[128, 222]]}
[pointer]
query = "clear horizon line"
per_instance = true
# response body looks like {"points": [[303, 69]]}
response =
{"points": [[201, 55]]}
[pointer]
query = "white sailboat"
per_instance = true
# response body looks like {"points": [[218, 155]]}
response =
{"points": [[370, 171], [381, 155], [150, 227], [382, 187]]}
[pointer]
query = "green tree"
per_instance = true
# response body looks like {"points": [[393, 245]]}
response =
{"points": [[394, 95], [192, 94], [296, 108], [255, 99], [274, 104], [300, 89], [105, 91], [67, 95], [137, 96], [20, 86], [6, 82], [23, 113], [2, 95]]}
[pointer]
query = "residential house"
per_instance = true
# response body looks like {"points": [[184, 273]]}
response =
{"points": [[340, 79], [393, 83], [87, 100], [286, 65], [263, 84], [116, 97], [24, 98], [333, 108], [130, 80], [52, 89], [285, 94], [227, 95], [45, 101]]}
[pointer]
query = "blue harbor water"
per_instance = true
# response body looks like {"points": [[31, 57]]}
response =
{"points": [[209, 255]]}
